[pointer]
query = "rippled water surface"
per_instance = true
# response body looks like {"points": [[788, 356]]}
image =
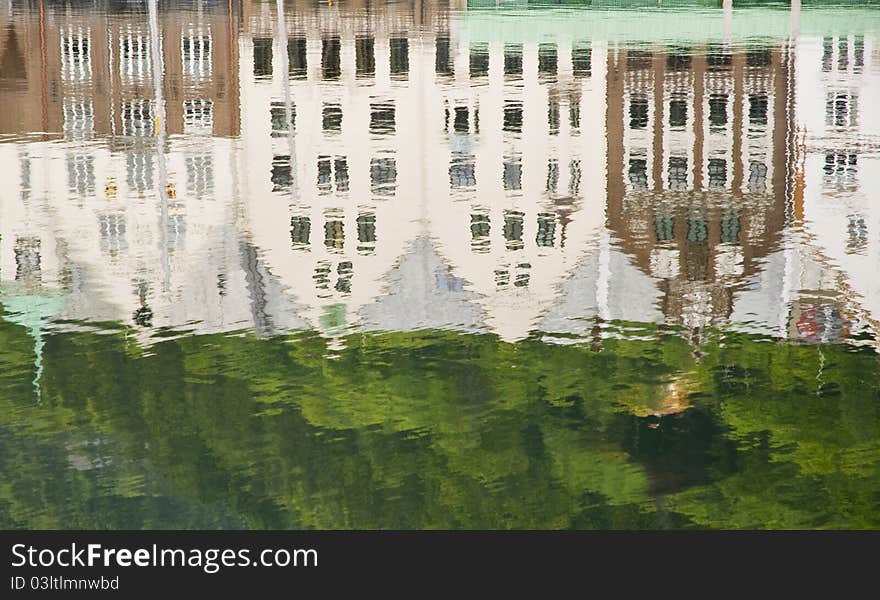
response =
{"points": [[439, 265]]}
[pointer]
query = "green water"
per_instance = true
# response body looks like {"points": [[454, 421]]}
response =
{"points": [[437, 430]]}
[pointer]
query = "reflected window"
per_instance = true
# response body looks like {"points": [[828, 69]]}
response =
{"points": [[857, 234], [262, 58], [27, 259], [638, 112], [322, 275], [297, 61], [137, 118], [331, 117], [513, 174], [574, 113], [678, 59], [383, 176], [546, 236], [330, 60], [552, 175], [334, 234], [199, 175], [460, 124], [730, 227], [513, 65], [719, 60], [638, 173], [547, 60], [198, 116], [325, 174], [364, 56], [698, 230], [859, 52], [399, 57], [522, 275], [843, 54], [574, 177], [553, 115], [300, 230], [758, 109], [479, 59], [827, 52], [79, 119], [513, 116], [717, 173], [279, 120], [366, 226], [462, 172], [340, 169], [718, 110], [664, 228], [382, 118], [758, 57], [480, 229], [840, 110], [195, 55], [139, 170], [757, 177], [637, 60], [677, 111], [134, 56], [677, 173], [513, 229], [344, 271], [76, 55], [442, 61], [111, 228], [81, 174], [581, 59], [281, 174]]}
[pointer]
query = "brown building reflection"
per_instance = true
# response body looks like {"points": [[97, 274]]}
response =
{"points": [[697, 168], [91, 70]]}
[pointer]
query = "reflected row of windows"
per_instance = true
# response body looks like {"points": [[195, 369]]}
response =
{"points": [[76, 56], [841, 110], [677, 174], [334, 233], [512, 230], [81, 180], [718, 111], [195, 55], [134, 55], [678, 59], [398, 54], [848, 53], [697, 228], [333, 174], [462, 174], [331, 66]]}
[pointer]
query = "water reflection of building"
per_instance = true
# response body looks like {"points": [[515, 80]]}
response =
{"points": [[391, 169], [697, 142], [836, 90]]}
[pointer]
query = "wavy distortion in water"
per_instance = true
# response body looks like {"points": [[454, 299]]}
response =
{"points": [[325, 266]]}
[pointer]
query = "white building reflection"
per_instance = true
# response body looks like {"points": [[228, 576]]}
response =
{"points": [[397, 169]]}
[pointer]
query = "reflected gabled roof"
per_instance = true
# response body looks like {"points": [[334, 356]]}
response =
{"points": [[424, 293]]}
